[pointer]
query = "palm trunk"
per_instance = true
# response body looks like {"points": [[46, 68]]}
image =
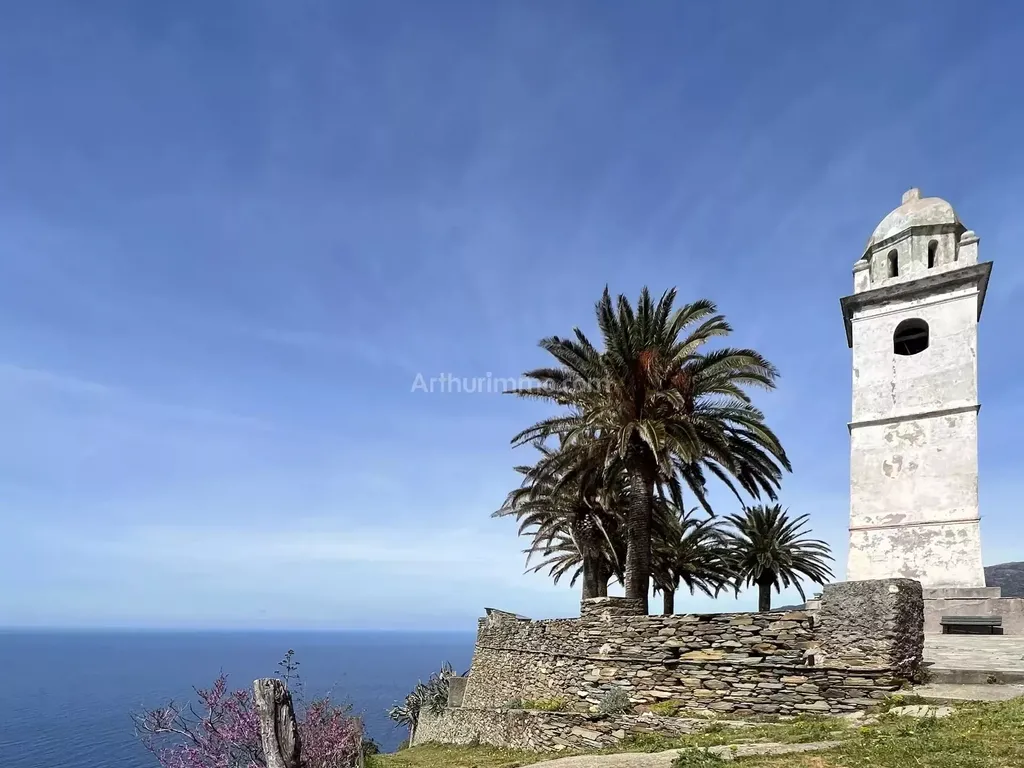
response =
{"points": [[638, 538], [602, 578], [585, 534], [591, 579], [668, 602], [764, 596]]}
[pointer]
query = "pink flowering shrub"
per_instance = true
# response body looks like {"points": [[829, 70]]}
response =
{"points": [[223, 732]]}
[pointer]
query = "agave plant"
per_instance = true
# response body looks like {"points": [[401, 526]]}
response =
{"points": [[431, 696]]}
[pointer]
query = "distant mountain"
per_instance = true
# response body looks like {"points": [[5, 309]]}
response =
{"points": [[1007, 576]]}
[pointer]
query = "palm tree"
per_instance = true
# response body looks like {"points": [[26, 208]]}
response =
{"points": [[566, 510], [658, 410], [562, 557], [770, 549], [693, 552]]}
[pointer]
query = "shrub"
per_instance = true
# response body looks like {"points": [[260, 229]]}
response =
{"points": [[545, 705], [668, 708], [223, 731], [647, 742], [614, 701], [696, 758]]}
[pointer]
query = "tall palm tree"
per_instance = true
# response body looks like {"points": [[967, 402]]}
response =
{"points": [[693, 552], [658, 409], [770, 549]]}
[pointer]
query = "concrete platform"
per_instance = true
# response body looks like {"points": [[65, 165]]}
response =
{"points": [[942, 693], [976, 601], [975, 659]]}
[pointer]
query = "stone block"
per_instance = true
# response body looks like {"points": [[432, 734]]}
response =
{"points": [[456, 691], [876, 623]]}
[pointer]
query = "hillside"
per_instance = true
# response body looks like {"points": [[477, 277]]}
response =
{"points": [[1008, 576]]}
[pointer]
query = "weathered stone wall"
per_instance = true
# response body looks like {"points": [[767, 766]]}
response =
{"points": [[877, 623], [542, 731], [606, 629], [734, 687], [865, 642], [522, 659]]}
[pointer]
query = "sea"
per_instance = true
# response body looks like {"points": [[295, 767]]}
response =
{"points": [[66, 697]]}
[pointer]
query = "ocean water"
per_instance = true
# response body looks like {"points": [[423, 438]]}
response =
{"points": [[66, 697]]}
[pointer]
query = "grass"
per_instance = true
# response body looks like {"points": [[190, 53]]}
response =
{"points": [[443, 756], [975, 736]]}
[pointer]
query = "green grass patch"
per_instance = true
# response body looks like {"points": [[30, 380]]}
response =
{"points": [[697, 758], [975, 736], [443, 756]]}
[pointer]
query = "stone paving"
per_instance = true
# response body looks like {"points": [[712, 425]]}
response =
{"points": [[665, 759], [986, 652], [954, 692]]}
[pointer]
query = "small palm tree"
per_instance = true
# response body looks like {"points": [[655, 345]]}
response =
{"points": [[561, 556], [770, 549], [565, 508], [691, 552]]}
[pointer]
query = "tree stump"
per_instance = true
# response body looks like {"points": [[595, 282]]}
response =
{"points": [[278, 729]]}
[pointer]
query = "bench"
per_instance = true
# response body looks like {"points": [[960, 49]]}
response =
{"points": [[972, 625]]}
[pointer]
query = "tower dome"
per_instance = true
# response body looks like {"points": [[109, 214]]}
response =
{"points": [[915, 211]]}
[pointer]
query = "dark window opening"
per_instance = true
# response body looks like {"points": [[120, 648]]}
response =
{"points": [[910, 337], [933, 247], [894, 264]]}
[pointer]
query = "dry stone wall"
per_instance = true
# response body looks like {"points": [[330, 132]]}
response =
{"points": [[737, 687], [651, 657], [864, 643]]}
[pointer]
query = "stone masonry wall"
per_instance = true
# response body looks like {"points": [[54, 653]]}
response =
{"points": [[522, 659], [737, 687], [865, 642]]}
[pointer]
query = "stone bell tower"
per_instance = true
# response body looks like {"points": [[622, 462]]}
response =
{"points": [[912, 323]]}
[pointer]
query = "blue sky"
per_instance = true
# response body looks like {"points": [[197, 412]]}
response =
{"points": [[233, 233]]}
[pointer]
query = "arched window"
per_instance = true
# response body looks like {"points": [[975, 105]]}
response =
{"points": [[910, 337], [894, 263], [933, 248]]}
